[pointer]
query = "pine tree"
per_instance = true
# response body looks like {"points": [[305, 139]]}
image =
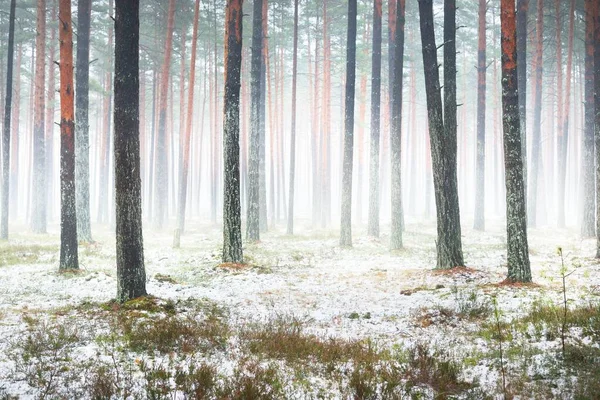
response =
{"points": [[479, 223], [68, 216], [346, 219], [516, 218], [290, 218], [82, 138], [232, 233], [131, 274]]}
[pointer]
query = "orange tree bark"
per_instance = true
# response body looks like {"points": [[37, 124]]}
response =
{"points": [[232, 232], [516, 219], [68, 217], [523, 9], [131, 274]]}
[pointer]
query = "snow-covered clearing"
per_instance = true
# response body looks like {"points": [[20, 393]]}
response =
{"points": [[395, 300]]}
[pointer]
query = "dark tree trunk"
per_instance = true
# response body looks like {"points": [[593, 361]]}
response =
{"points": [[516, 218], [162, 176], [346, 213], [6, 126], [443, 133], [39, 199], [522, 10], [536, 140], [396, 130], [131, 274], [68, 216], [183, 179], [290, 218], [253, 210], [232, 231], [479, 223], [82, 138], [587, 156], [373, 222]]}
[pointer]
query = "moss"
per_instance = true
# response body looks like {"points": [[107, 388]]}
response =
{"points": [[12, 254]]}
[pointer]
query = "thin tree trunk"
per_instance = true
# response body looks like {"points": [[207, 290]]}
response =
{"points": [[82, 139], [587, 156], [396, 130], [516, 218], [162, 176], [131, 274], [39, 198], [68, 217], [253, 210], [188, 128], [346, 213], [49, 121], [537, 119], [290, 217], [232, 233], [14, 141], [479, 223], [373, 222], [6, 126]]}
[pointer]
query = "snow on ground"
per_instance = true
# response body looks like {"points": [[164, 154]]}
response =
{"points": [[358, 293]]}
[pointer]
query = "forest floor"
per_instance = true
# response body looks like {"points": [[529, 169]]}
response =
{"points": [[303, 319]]}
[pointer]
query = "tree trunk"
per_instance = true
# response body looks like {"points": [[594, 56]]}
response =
{"points": [[597, 121], [82, 139], [563, 122], [262, 198], [516, 218], [6, 125], [396, 129], [346, 213], [131, 274], [39, 199], [14, 142], [162, 176], [183, 179], [232, 233], [523, 8], [68, 217], [587, 156], [373, 222], [49, 119], [537, 119], [443, 133], [479, 223], [290, 218], [253, 210]]}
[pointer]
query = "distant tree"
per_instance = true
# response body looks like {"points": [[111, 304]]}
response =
{"points": [[131, 274], [162, 175], [479, 223], [82, 134], [183, 179], [232, 234], [68, 217], [536, 139], [346, 220], [396, 128], [442, 125], [516, 216], [253, 209], [6, 126], [373, 221], [39, 199], [290, 218]]}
